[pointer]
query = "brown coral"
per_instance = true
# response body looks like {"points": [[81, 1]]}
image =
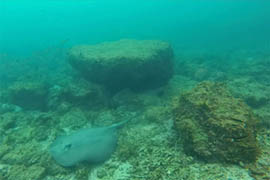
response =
{"points": [[216, 126]]}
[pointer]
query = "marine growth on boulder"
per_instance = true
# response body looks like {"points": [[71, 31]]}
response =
{"points": [[133, 64], [216, 126]]}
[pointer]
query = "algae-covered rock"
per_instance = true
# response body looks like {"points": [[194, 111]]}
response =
{"points": [[4, 108], [29, 95], [134, 64], [84, 93], [76, 93], [216, 126]]}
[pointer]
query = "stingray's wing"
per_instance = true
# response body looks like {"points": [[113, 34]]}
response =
{"points": [[93, 145], [102, 146], [60, 150]]}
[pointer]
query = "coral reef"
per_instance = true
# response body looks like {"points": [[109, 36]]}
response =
{"points": [[255, 94], [28, 95], [215, 126], [9, 108], [261, 169], [201, 66], [126, 63], [150, 146], [80, 93]]}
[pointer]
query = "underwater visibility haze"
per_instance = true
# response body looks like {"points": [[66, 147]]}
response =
{"points": [[134, 89]]}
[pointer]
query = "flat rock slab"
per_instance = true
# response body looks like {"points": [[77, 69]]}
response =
{"points": [[134, 64]]}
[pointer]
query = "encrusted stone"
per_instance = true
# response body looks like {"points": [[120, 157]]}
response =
{"points": [[133, 64], [216, 126]]}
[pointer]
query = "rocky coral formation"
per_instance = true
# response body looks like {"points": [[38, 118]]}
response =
{"points": [[9, 108], [255, 94], [126, 63], [28, 95], [261, 169], [80, 93], [148, 146], [201, 66], [215, 126]]}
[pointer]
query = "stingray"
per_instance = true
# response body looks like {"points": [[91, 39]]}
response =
{"points": [[92, 145]]}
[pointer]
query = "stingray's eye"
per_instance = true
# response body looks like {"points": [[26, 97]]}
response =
{"points": [[67, 146]]}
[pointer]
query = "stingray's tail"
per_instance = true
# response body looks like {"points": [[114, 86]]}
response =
{"points": [[120, 124]]}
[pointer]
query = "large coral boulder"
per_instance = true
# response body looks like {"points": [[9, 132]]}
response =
{"points": [[216, 126], [134, 64]]}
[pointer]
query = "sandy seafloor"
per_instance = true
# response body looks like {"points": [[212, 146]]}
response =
{"points": [[148, 146]]}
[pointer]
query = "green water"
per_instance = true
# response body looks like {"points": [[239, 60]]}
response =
{"points": [[197, 96], [28, 26]]}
